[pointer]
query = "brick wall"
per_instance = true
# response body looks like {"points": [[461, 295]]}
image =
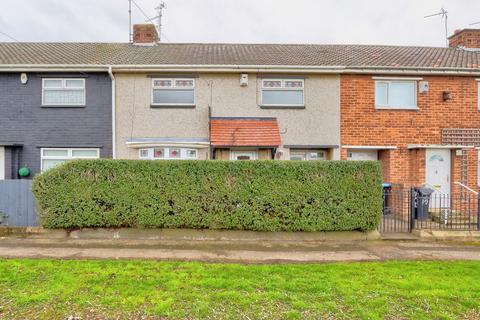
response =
{"points": [[469, 38], [144, 33], [363, 125]]}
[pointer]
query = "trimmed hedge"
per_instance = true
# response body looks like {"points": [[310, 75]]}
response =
{"points": [[241, 195]]}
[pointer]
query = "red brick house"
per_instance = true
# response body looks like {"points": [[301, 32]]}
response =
{"points": [[420, 118]]}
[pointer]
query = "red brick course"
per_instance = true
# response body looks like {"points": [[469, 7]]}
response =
{"points": [[469, 38], [144, 33], [363, 125]]}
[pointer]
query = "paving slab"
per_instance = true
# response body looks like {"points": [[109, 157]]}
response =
{"points": [[237, 251]]}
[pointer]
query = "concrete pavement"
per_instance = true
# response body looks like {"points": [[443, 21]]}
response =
{"points": [[236, 251]]}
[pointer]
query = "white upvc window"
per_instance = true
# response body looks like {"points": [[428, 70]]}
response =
{"points": [[63, 92], [168, 153], [362, 155], [307, 155], [283, 92], [51, 157], [395, 94], [173, 92]]}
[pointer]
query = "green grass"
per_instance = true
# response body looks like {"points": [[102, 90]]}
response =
{"points": [[52, 289]]}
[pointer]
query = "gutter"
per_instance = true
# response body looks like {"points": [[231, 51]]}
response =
{"points": [[114, 107], [53, 68], [297, 69], [243, 68]]}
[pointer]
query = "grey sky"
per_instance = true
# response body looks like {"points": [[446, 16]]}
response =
{"points": [[274, 21]]}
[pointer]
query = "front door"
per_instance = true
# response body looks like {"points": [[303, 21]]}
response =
{"points": [[243, 155], [2, 163], [438, 170]]}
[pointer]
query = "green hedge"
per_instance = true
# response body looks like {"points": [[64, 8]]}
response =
{"points": [[242, 195]]}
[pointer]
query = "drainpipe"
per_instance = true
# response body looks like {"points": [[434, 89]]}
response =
{"points": [[112, 77]]}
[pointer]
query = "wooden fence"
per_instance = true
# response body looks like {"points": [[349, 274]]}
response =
{"points": [[17, 204]]}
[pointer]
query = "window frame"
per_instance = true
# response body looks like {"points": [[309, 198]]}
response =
{"points": [[389, 82], [174, 87], [65, 158], [306, 155], [282, 88], [370, 152], [64, 88], [166, 153]]}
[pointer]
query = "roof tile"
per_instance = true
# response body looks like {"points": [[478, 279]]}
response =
{"points": [[233, 132], [36, 53]]}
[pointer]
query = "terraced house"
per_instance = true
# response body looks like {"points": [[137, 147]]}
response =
{"points": [[417, 112], [415, 109], [224, 101]]}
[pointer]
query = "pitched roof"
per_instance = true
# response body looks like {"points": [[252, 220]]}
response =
{"points": [[244, 132], [352, 56]]}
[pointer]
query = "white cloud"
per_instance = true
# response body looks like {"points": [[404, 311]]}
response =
{"points": [[276, 21]]}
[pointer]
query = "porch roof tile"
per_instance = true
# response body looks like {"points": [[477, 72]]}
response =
{"points": [[244, 132]]}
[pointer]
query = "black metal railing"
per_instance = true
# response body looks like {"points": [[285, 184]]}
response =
{"points": [[404, 210], [396, 212]]}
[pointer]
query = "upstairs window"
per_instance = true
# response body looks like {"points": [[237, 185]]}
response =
{"points": [[63, 92], [396, 94], [283, 92], [173, 92], [168, 153]]}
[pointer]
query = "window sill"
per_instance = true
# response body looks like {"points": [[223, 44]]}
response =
{"points": [[63, 106], [282, 107], [156, 106], [398, 108]]}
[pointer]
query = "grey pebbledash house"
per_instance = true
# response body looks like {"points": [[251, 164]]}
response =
{"points": [[50, 111]]}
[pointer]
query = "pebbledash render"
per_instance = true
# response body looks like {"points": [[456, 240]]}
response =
{"points": [[415, 109], [220, 106]]}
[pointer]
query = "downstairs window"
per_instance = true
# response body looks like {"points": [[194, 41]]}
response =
{"points": [[51, 157], [307, 155], [168, 153]]}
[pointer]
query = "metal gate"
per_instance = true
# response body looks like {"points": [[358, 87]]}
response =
{"points": [[397, 212], [17, 204], [405, 210]]}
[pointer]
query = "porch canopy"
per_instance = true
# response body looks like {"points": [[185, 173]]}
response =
{"points": [[244, 132]]}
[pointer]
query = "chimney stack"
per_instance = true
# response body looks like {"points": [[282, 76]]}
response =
{"points": [[144, 34], [467, 38]]}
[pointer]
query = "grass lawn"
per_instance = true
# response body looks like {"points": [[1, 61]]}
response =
{"points": [[48, 289]]}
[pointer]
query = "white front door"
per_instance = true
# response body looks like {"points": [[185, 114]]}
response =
{"points": [[438, 170], [243, 155], [2, 163]]}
